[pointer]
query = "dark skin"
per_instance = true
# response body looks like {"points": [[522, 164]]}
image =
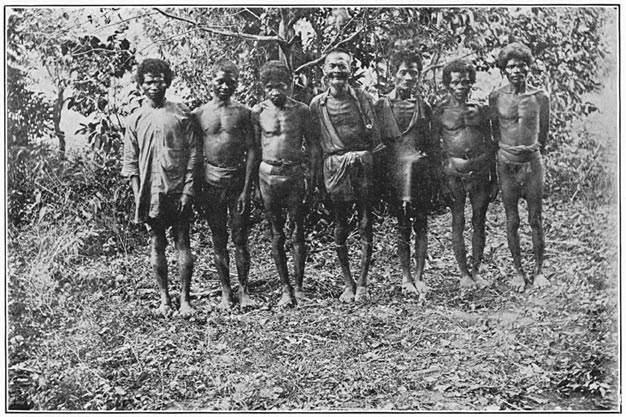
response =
{"points": [[281, 127], [521, 116], [409, 218], [153, 88], [344, 117], [464, 129], [227, 140]]}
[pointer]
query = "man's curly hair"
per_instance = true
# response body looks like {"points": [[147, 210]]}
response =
{"points": [[460, 66], [405, 57], [154, 66], [514, 50], [275, 70], [227, 66]]}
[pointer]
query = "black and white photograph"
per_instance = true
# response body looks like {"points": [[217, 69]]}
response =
{"points": [[312, 208]]}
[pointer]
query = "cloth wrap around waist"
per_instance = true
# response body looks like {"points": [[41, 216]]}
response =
{"points": [[280, 178], [224, 177], [346, 172], [467, 168], [519, 153]]}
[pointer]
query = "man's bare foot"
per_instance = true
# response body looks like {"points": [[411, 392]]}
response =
{"points": [[467, 283], [422, 288], [226, 304], [480, 282], [300, 294], [409, 288], [540, 281], [518, 283], [186, 310], [245, 301], [287, 300], [361, 294], [164, 310], [347, 296]]}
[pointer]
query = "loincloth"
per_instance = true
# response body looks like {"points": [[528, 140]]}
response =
{"points": [[519, 153], [281, 182], [468, 168], [348, 175], [410, 176], [521, 172], [224, 177]]}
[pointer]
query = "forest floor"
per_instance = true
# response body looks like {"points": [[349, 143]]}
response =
{"points": [[90, 342]]}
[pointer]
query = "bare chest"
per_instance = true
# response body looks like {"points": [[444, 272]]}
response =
{"points": [[454, 118], [517, 107]]}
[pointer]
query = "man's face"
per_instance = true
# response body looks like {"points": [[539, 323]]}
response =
{"points": [[406, 76], [223, 85], [516, 71], [460, 85], [276, 91], [154, 86], [337, 70]]}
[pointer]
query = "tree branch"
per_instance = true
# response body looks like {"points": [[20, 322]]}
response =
{"points": [[247, 36], [329, 47]]}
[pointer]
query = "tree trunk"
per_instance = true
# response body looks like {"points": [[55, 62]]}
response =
{"points": [[56, 119]]}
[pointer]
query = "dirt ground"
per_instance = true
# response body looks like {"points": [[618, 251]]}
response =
{"points": [[94, 345]]}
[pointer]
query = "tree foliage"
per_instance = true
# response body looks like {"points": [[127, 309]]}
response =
{"points": [[76, 63]]}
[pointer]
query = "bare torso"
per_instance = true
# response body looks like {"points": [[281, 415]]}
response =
{"points": [[347, 121], [226, 133], [463, 129], [282, 131], [518, 116]]}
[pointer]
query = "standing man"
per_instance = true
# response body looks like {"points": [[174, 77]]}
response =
{"points": [[281, 127], [410, 164], [160, 146], [229, 158], [521, 119], [348, 132], [469, 163]]}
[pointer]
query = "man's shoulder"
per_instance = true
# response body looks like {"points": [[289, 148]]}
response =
{"points": [[540, 93], [316, 100]]}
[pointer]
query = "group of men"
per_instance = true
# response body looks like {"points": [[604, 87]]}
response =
{"points": [[342, 145]]}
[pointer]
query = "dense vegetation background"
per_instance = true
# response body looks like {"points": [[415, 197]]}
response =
{"points": [[80, 335]]}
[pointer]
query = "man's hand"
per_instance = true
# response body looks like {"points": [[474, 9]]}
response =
{"points": [[242, 202], [184, 203]]}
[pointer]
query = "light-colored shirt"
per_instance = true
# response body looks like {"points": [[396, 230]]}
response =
{"points": [[160, 147]]}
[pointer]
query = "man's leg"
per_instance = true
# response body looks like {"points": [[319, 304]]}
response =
{"points": [[158, 242], [276, 219], [479, 198], [534, 195], [185, 265], [510, 199], [457, 191], [340, 210], [420, 226], [299, 248], [239, 225], [364, 210], [218, 220], [404, 249]]}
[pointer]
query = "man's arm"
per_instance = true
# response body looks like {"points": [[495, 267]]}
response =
{"points": [[493, 116], [130, 165], [191, 141], [492, 148], [544, 118], [314, 134], [315, 151], [251, 161]]}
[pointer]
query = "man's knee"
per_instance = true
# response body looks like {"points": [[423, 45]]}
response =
{"points": [[240, 236]]}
